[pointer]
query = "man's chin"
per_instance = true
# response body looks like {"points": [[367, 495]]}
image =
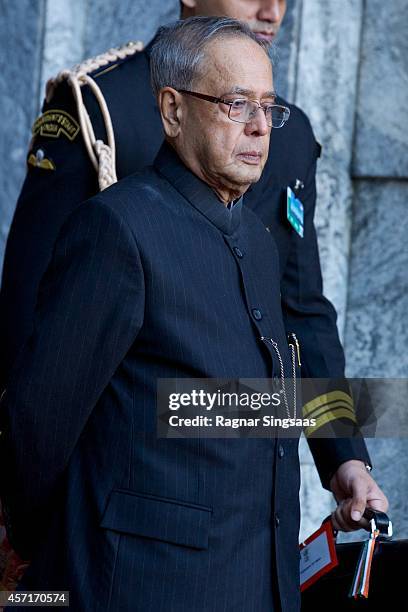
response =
{"points": [[249, 175], [242, 181]]}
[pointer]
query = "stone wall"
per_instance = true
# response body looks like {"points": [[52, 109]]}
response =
{"points": [[343, 61], [352, 79]]}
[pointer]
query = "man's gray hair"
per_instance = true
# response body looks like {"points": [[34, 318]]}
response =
{"points": [[179, 48]]}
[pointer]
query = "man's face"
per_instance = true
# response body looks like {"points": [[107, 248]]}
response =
{"points": [[227, 154], [264, 17]]}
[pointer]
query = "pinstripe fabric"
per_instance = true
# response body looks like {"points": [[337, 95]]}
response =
{"points": [[144, 283], [48, 198]]}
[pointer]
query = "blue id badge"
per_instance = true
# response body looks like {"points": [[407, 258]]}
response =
{"points": [[294, 212]]}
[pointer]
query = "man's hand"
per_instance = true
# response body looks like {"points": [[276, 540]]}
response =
{"points": [[354, 489]]}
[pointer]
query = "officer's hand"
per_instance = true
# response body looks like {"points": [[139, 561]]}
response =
{"points": [[354, 489]]}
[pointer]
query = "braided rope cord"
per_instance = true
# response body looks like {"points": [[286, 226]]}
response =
{"points": [[101, 154]]}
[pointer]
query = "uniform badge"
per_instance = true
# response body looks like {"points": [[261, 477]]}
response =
{"points": [[56, 123], [295, 212], [38, 160]]}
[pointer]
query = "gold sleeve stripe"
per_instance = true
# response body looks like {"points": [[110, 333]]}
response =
{"points": [[329, 408], [326, 398], [327, 417]]}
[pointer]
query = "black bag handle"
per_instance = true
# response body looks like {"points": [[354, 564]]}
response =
{"points": [[378, 521]]}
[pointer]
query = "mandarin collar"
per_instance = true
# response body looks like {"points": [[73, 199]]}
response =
{"points": [[196, 191]]}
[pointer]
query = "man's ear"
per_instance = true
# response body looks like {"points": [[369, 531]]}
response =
{"points": [[170, 105]]}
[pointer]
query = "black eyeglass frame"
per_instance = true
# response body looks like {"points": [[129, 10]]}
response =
{"points": [[215, 100]]}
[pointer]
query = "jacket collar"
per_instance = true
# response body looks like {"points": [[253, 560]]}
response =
{"points": [[196, 191]]}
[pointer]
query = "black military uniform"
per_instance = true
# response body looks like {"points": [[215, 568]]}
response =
{"points": [[61, 175]]}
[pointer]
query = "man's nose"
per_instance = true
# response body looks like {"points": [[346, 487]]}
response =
{"points": [[258, 125], [269, 11]]}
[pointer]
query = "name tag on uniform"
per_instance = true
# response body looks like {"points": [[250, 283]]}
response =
{"points": [[317, 555], [294, 212]]}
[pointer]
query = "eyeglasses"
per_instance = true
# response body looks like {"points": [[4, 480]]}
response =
{"points": [[242, 110]]}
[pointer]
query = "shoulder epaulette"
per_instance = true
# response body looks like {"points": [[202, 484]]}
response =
{"points": [[102, 155]]}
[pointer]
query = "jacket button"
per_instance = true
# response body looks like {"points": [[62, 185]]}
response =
{"points": [[238, 252], [281, 451], [277, 520], [257, 314]]}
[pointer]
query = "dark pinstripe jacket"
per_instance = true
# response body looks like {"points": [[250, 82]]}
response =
{"points": [[48, 198], [153, 278]]}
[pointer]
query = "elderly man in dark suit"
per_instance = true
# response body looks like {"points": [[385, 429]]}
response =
{"points": [[164, 275], [60, 174]]}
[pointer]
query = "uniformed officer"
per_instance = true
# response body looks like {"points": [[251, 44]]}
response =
{"points": [[100, 122]]}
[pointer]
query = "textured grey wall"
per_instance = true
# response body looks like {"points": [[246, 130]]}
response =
{"points": [[381, 128], [21, 31], [326, 88], [376, 330], [114, 23], [345, 63]]}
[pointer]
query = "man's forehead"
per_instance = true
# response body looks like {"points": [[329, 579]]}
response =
{"points": [[248, 92], [229, 67], [244, 82], [232, 49], [225, 60]]}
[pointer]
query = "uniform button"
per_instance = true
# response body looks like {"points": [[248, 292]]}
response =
{"points": [[277, 520], [281, 451], [257, 314], [238, 252]]}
